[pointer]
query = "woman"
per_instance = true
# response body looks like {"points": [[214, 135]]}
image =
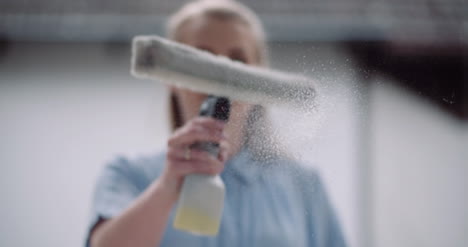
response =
{"points": [[270, 200]]}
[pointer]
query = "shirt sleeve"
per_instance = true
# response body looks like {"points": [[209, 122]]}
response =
{"points": [[117, 186]]}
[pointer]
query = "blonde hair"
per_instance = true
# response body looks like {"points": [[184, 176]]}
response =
{"points": [[222, 9]]}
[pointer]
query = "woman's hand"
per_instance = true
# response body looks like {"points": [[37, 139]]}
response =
{"points": [[183, 160], [143, 223]]}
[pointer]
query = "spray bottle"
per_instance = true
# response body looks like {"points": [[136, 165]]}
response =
{"points": [[201, 199]]}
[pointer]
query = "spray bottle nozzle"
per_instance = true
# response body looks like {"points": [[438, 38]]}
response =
{"points": [[216, 107]]}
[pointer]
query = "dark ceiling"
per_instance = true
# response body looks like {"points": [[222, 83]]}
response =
{"points": [[97, 20]]}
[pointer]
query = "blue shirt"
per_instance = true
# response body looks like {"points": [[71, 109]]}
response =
{"points": [[267, 203]]}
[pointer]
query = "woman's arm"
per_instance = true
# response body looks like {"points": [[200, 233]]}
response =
{"points": [[143, 223]]}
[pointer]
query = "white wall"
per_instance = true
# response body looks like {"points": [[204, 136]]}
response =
{"points": [[419, 162], [66, 109]]}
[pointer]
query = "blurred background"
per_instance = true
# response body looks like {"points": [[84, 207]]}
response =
{"points": [[390, 136]]}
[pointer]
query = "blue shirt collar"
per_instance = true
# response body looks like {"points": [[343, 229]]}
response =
{"points": [[243, 167], [248, 168]]}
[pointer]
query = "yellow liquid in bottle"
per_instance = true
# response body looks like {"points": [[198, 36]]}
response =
{"points": [[194, 221]]}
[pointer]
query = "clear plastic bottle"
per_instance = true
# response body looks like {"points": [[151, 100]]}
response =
{"points": [[200, 205], [201, 200]]}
